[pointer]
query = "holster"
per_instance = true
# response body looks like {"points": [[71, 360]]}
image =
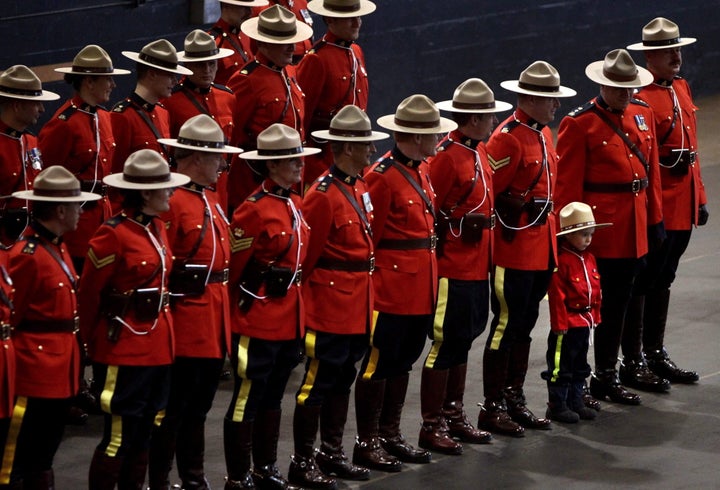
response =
{"points": [[188, 279], [538, 209], [251, 279], [678, 164], [509, 208], [277, 281]]}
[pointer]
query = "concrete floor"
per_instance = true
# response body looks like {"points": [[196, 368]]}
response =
{"points": [[670, 441]]}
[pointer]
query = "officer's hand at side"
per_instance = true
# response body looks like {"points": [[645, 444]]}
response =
{"points": [[656, 235], [703, 215]]}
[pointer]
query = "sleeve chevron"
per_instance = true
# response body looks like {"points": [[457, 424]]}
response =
{"points": [[496, 164], [100, 263]]}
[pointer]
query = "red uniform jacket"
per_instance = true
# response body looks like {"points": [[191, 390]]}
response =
{"points": [[201, 323], [332, 75], [681, 194], [217, 102], [299, 8], [515, 152], [338, 301], [574, 293], [47, 352], [591, 152], [264, 229], [7, 351], [462, 180], [261, 91], [121, 259], [406, 281], [227, 36], [70, 139]]}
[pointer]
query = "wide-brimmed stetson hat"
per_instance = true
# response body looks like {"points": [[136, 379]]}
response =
{"points": [[350, 124], [201, 133], [159, 54], [277, 142], [417, 115], [341, 8], [540, 79], [276, 25], [20, 82], [246, 3], [146, 170], [92, 60], [56, 184], [200, 46], [473, 96], [661, 33], [577, 216], [618, 70]]}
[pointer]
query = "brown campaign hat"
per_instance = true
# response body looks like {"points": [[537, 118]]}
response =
{"points": [[661, 33], [276, 25], [159, 54], [277, 142], [200, 46], [540, 79], [350, 124], [146, 170], [201, 133], [417, 115], [341, 8], [92, 60], [20, 82], [577, 216], [56, 184], [618, 70], [475, 97]]}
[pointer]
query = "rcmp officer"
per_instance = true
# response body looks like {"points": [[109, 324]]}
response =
{"points": [[80, 138], [338, 294], [333, 73], [609, 161], [21, 103], [266, 91], [268, 244], [462, 180], [198, 236], [300, 10], [227, 35], [522, 154], [125, 319], [683, 191], [45, 324], [7, 354], [405, 280]]}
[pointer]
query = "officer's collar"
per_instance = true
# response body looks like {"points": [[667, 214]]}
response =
{"points": [[226, 27], [7, 130], [523, 118], [663, 82], [458, 137], [601, 103], [271, 187], [400, 157], [195, 187], [265, 61], [191, 86], [45, 233], [331, 38], [78, 103], [342, 176], [136, 99], [139, 217]]}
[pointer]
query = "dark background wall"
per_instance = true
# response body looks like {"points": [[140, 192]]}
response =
{"points": [[411, 46]]}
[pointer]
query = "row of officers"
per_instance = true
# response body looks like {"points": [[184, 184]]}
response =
{"points": [[369, 264]]}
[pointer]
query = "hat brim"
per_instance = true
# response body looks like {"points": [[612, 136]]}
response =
{"points": [[222, 53], [594, 71], [68, 70], [500, 106], [45, 95], [444, 126], [684, 41], [584, 227], [325, 134], [174, 143], [514, 86], [180, 70], [31, 196], [253, 155], [317, 7], [118, 181], [250, 3], [250, 28]]}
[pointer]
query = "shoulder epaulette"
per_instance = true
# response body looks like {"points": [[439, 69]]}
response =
{"points": [[639, 102], [382, 166], [510, 126], [115, 220], [250, 67], [222, 87], [324, 183], [121, 106], [583, 108], [318, 46], [215, 31], [444, 145], [69, 111], [257, 197], [31, 243]]}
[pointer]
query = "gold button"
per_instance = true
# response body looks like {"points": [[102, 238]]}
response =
{"points": [[144, 262], [394, 266], [332, 283], [40, 347]]}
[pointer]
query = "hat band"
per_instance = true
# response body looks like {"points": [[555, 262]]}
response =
{"points": [[20, 91], [342, 8], [538, 88], [57, 192], [92, 69], [200, 143], [157, 61], [274, 32], [150, 179], [578, 225], [201, 54], [283, 151], [616, 77], [662, 42], [472, 105], [417, 124], [349, 132]]}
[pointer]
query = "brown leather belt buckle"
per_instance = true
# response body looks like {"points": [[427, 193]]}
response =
{"points": [[76, 326], [636, 185], [298, 276], [5, 331], [372, 264], [491, 222], [433, 242]]}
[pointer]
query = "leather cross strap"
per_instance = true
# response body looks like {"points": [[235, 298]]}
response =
{"points": [[353, 202], [633, 147], [416, 186]]}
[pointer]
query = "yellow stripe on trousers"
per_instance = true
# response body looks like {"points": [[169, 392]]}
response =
{"points": [[310, 338], [556, 359], [499, 287], [374, 353], [106, 404], [245, 384], [438, 322], [12, 437]]}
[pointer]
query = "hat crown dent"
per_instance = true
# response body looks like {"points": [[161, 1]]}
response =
{"points": [[202, 128], [277, 19], [660, 29], [417, 108], [473, 91], [56, 178], [161, 49], [278, 137], [20, 77], [540, 73], [352, 118], [199, 41], [146, 163], [93, 56], [619, 62]]}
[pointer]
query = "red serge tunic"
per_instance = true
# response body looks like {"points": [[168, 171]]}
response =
{"points": [[299, 8], [217, 101], [7, 352], [227, 36]]}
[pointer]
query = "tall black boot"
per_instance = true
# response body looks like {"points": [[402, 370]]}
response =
{"points": [[104, 471], [238, 442], [266, 432], [162, 453], [132, 476], [368, 451], [190, 450], [434, 434], [453, 409], [303, 470], [43, 480], [331, 457], [514, 394], [493, 414]]}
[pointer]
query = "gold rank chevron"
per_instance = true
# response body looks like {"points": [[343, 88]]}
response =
{"points": [[240, 244], [100, 263], [496, 164]]}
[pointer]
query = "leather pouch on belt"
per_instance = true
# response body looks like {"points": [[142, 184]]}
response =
{"points": [[145, 303], [188, 279], [277, 281], [509, 208], [473, 226]]}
